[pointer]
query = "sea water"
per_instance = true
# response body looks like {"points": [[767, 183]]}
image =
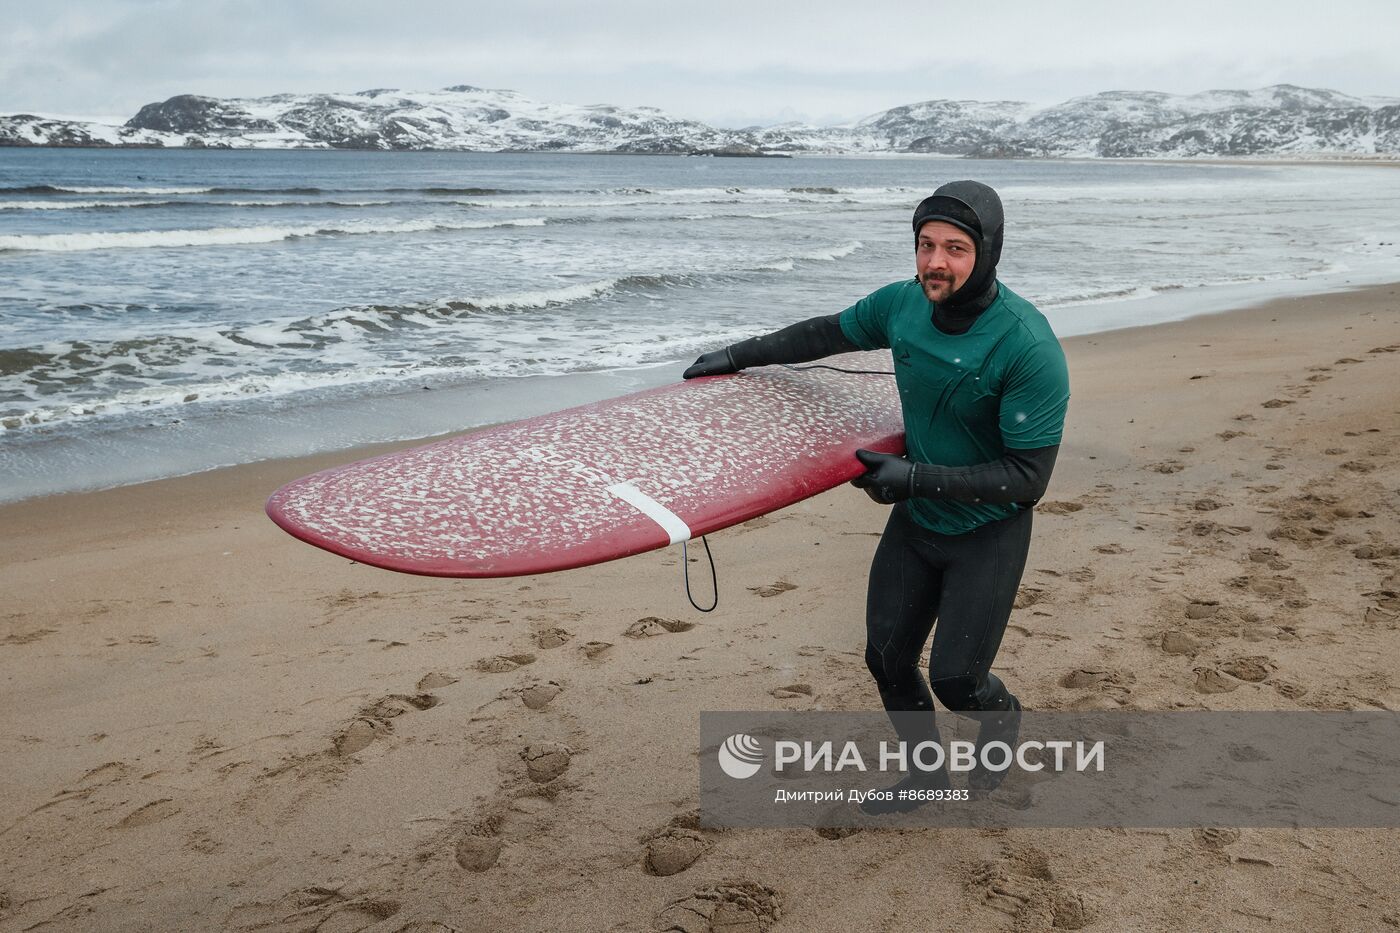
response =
{"points": [[163, 312]]}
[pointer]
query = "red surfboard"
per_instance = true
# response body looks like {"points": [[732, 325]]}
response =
{"points": [[602, 481]]}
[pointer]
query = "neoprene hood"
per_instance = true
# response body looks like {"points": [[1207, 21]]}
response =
{"points": [[975, 209]]}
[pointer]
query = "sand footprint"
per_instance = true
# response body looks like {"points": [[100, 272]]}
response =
{"points": [[1210, 680], [539, 695], [676, 846], [552, 638], [1060, 507], [1085, 678], [153, 812], [354, 916], [1027, 596], [323, 909], [595, 650], [1269, 556], [435, 679], [1000, 891], [653, 625], [1381, 618], [25, 638], [1179, 643], [504, 663], [480, 844], [1023, 885], [545, 761], [1215, 838], [1387, 600], [1198, 609], [722, 907], [373, 720], [1283, 589], [773, 589], [1252, 669]]}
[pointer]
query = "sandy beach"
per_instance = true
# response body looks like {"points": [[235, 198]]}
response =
{"points": [[210, 725]]}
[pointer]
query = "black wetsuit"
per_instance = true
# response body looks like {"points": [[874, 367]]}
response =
{"points": [[964, 582]]}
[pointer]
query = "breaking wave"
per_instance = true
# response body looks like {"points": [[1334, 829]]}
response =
{"points": [[117, 205], [88, 189], [234, 236]]}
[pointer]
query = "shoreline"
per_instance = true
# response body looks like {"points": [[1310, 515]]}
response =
{"points": [[326, 458], [531, 396], [212, 725]]}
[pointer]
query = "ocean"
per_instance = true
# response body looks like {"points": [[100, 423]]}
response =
{"points": [[164, 312]]}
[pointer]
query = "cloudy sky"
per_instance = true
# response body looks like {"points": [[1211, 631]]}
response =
{"points": [[727, 62]]}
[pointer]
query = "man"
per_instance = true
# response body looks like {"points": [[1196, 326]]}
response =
{"points": [[984, 389]]}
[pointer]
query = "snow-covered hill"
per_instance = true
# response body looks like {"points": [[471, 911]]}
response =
{"points": [[1282, 120]]}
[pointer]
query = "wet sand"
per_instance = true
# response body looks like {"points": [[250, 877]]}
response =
{"points": [[209, 725]]}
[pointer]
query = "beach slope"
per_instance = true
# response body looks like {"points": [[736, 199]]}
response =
{"points": [[209, 725]]}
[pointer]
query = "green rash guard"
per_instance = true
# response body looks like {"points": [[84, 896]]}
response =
{"points": [[967, 398]]}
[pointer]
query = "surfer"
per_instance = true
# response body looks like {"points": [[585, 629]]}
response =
{"points": [[984, 389]]}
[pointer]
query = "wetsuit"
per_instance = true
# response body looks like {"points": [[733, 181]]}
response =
{"points": [[984, 390]]}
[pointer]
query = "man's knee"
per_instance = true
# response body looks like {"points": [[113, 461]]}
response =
{"points": [[956, 693], [874, 662], [886, 668], [894, 671]]}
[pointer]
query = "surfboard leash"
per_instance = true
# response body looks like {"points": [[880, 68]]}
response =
{"points": [[685, 571], [685, 553]]}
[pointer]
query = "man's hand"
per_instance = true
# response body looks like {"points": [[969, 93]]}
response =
{"points": [[714, 363], [888, 479]]}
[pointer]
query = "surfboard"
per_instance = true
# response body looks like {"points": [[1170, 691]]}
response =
{"points": [[605, 480]]}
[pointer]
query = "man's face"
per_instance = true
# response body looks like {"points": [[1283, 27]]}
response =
{"points": [[943, 258]]}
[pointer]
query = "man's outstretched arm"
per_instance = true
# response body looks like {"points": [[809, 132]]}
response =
{"points": [[806, 340]]}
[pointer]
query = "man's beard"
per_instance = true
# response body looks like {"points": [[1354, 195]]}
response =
{"points": [[943, 284]]}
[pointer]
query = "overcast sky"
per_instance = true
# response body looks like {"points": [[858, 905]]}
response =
{"points": [[727, 62]]}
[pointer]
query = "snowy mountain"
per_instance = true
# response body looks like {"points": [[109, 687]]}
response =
{"points": [[461, 118], [1282, 120]]}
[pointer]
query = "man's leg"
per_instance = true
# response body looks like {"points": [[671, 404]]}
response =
{"points": [[980, 580], [982, 577], [901, 606]]}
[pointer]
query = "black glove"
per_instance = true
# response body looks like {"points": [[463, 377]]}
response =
{"points": [[714, 363], [888, 479]]}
